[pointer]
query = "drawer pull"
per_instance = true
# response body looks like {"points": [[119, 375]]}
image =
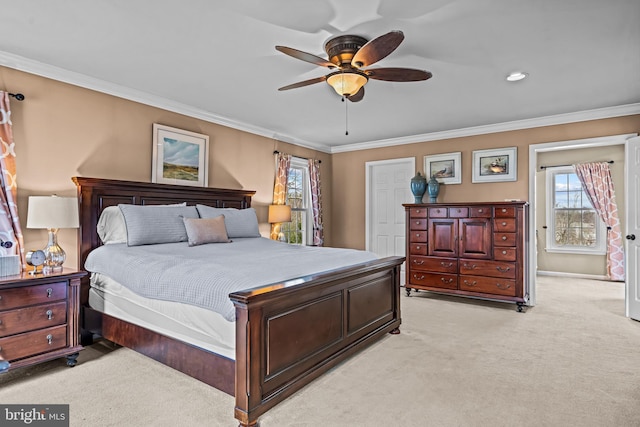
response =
{"points": [[415, 276], [470, 284], [480, 210], [446, 264], [503, 287], [504, 237], [418, 247], [418, 262], [49, 292], [471, 266], [49, 339], [49, 314], [504, 252], [445, 280], [417, 234], [418, 211], [503, 270], [417, 222], [504, 210], [504, 223]]}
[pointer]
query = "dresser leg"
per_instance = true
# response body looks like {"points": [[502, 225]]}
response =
{"points": [[72, 359], [408, 291], [520, 307]]}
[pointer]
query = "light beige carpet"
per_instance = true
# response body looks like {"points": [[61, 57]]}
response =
{"points": [[573, 360]]}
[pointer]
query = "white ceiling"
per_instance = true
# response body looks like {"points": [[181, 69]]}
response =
{"points": [[216, 60]]}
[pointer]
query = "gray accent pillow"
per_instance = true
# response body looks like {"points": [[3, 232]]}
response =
{"points": [[111, 227], [239, 222], [206, 230], [149, 225]]}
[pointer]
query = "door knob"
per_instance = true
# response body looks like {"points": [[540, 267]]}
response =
{"points": [[631, 237]]}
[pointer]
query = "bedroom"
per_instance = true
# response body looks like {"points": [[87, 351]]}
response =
{"points": [[83, 132]]}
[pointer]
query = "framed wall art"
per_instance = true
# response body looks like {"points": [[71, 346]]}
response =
{"points": [[446, 168], [496, 165], [179, 157]]}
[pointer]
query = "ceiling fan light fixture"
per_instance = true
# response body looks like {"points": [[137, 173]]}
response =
{"points": [[516, 76], [348, 82]]}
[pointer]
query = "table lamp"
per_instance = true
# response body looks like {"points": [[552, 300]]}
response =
{"points": [[277, 215], [53, 213]]}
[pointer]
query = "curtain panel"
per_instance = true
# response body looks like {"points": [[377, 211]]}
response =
{"points": [[597, 184], [10, 230], [316, 202], [283, 161]]}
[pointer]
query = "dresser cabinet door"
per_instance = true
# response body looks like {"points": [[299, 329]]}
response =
{"points": [[442, 237], [475, 238]]}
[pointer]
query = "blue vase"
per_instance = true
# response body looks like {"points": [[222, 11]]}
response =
{"points": [[418, 187], [433, 187]]}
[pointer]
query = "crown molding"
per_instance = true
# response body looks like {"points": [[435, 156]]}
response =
{"points": [[559, 119], [77, 79]]}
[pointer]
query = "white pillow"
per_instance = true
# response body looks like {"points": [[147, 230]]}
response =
{"points": [[111, 226]]}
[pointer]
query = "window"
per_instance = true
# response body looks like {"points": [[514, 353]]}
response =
{"points": [[573, 225], [299, 198]]}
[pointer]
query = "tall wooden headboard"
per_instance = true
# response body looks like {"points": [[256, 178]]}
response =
{"points": [[95, 194]]}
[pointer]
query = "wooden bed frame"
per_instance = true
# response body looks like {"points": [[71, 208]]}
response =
{"points": [[287, 334]]}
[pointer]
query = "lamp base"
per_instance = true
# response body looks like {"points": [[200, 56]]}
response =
{"points": [[54, 254]]}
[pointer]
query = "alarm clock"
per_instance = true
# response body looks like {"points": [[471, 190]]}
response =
{"points": [[35, 259]]}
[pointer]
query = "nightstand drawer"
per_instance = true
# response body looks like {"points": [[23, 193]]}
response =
{"points": [[31, 295], [32, 343], [32, 318]]}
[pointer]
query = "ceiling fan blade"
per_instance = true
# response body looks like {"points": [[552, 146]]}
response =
{"points": [[398, 74], [304, 83], [376, 49], [357, 96], [304, 56]]}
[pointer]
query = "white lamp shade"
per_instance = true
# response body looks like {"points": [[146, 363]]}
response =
{"points": [[279, 213], [52, 212]]}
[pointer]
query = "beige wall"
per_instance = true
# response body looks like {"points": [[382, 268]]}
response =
{"points": [[574, 263], [61, 131], [348, 203]]}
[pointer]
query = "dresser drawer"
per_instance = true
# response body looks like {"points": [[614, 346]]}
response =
{"points": [[504, 239], [32, 343], [505, 212], [480, 212], [458, 212], [504, 254], [418, 212], [437, 212], [31, 295], [434, 280], [488, 285], [488, 268], [504, 224], [418, 224], [418, 236], [32, 317], [434, 264], [418, 248]]}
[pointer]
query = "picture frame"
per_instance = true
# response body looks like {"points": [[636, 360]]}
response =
{"points": [[496, 165], [180, 157], [447, 168]]}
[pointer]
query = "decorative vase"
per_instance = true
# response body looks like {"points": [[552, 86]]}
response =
{"points": [[418, 187], [433, 187]]}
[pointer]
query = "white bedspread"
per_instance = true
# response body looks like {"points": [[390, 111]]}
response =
{"points": [[205, 275]]}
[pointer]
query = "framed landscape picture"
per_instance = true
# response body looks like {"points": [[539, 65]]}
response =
{"points": [[444, 167], [495, 165], [179, 157]]}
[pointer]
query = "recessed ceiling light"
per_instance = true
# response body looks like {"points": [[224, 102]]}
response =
{"points": [[515, 76]]}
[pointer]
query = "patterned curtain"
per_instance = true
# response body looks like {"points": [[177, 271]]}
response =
{"points": [[10, 231], [597, 184], [283, 161], [316, 202]]}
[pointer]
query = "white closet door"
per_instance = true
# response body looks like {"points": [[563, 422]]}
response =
{"points": [[632, 229]]}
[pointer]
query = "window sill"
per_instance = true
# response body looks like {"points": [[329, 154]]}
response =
{"points": [[574, 251]]}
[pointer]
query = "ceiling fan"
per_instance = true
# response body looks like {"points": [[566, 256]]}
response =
{"points": [[348, 56]]}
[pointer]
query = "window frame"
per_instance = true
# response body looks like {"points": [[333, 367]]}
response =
{"points": [[307, 226], [601, 230]]}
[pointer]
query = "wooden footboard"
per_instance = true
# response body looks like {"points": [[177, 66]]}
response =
{"points": [[288, 334]]}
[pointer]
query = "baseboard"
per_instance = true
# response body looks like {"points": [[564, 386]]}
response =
{"points": [[572, 275]]}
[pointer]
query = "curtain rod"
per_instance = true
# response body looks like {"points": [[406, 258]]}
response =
{"points": [[17, 96], [561, 166], [306, 158]]}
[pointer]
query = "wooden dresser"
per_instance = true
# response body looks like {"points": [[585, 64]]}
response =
{"points": [[39, 317], [469, 249]]}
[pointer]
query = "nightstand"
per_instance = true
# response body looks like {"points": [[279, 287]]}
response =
{"points": [[39, 317]]}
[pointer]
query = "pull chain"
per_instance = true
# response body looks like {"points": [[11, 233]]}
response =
{"points": [[346, 117]]}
